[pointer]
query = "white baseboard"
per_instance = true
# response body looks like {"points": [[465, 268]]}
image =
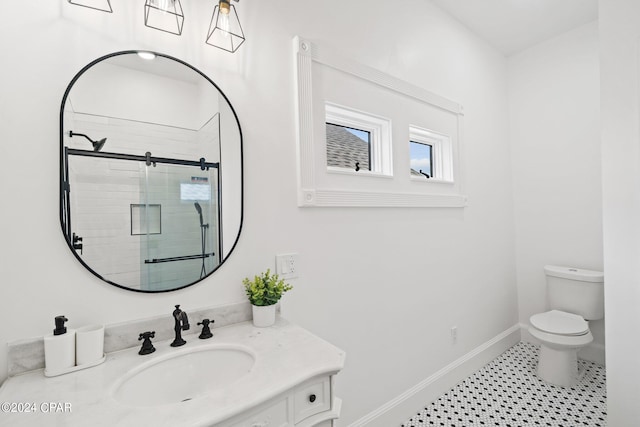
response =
{"points": [[403, 407], [593, 352]]}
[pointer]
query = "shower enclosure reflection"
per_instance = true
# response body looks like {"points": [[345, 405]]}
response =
{"points": [[144, 211], [138, 222]]}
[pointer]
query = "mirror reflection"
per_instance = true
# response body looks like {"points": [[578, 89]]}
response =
{"points": [[151, 172]]}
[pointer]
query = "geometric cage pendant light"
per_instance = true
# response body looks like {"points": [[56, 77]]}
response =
{"points": [[225, 31], [102, 5], [164, 15]]}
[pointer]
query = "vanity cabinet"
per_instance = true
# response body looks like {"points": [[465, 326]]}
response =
{"points": [[310, 404], [281, 376]]}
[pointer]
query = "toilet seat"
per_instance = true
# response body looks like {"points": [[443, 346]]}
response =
{"points": [[560, 323]]}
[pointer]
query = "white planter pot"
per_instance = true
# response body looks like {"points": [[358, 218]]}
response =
{"points": [[264, 316]]}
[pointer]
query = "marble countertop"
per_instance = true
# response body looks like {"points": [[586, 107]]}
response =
{"points": [[286, 355]]}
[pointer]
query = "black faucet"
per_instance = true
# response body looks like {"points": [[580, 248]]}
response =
{"points": [[181, 324], [147, 346]]}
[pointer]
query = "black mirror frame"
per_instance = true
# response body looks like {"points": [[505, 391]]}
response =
{"points": [[62, 171]]}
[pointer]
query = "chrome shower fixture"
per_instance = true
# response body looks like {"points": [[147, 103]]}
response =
{"points": [[97, 145]]}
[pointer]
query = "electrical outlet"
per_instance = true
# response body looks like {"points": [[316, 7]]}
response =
{"points": [[454, 334], [287, 265]]}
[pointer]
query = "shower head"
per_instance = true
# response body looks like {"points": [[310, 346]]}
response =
{"points": [[97, 145], [199, 209]]}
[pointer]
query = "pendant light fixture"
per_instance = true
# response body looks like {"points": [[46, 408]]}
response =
{"points": [[164, 15], [102, 5], [225, 31]]}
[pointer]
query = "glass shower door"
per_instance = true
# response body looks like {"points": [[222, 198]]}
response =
{"points": [[179, 214]]}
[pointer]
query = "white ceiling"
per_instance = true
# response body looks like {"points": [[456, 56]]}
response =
{"points": [[514, 25]]}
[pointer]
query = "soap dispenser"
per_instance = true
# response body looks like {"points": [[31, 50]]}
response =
{"points": [[60, 347]]}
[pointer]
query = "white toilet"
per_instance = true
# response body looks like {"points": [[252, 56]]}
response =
{"points": [[574, 297]]}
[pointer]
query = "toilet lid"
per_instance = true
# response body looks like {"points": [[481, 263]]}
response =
{"points": [[560, 322]]}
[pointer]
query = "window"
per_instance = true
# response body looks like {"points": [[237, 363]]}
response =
{"points": [[431, 155], [327, 82], [191, 192], [357, 142], [348, 148], [421, 159]]}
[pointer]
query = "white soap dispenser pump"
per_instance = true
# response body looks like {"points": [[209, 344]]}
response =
{"points": [[60, 347]]}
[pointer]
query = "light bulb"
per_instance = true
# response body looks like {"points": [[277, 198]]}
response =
{"points": [[164, 5], [223, 23], [146, 55]]}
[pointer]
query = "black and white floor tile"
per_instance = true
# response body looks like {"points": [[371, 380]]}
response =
{"points": [[507, 393]]}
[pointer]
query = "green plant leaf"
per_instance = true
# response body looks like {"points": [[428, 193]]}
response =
{"points": [[265, 289]]}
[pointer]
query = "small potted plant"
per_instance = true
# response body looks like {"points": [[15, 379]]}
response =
{"points": [[264, 291]]}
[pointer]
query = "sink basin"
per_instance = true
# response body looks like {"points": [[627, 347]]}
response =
{"points": [[184, 375]]}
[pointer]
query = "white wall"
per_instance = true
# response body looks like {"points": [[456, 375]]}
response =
{"points": [[554, 134], [112, 90], [619, 35], [231, 177], [386, 285]]}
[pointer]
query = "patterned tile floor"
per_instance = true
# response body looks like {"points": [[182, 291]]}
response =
{"points": [[507, 393]]}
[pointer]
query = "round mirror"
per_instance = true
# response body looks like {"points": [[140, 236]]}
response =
{"points": [[150, 172]]}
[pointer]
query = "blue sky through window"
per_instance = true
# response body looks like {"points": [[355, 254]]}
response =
{"points": [[363, 135], [421, 155]]}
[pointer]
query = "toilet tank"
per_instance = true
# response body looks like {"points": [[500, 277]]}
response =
{"points": [[576, 290]]}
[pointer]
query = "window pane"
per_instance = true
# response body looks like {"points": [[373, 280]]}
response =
{"points": [[347, 146], [421, 159]]}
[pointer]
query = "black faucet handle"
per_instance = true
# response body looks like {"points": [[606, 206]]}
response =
{"points": [[147, 346], [145, 335], [206, 332]]}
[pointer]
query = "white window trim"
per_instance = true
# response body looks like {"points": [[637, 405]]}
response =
{"points": [[442, 154], [379, 129], [309, 193]]}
